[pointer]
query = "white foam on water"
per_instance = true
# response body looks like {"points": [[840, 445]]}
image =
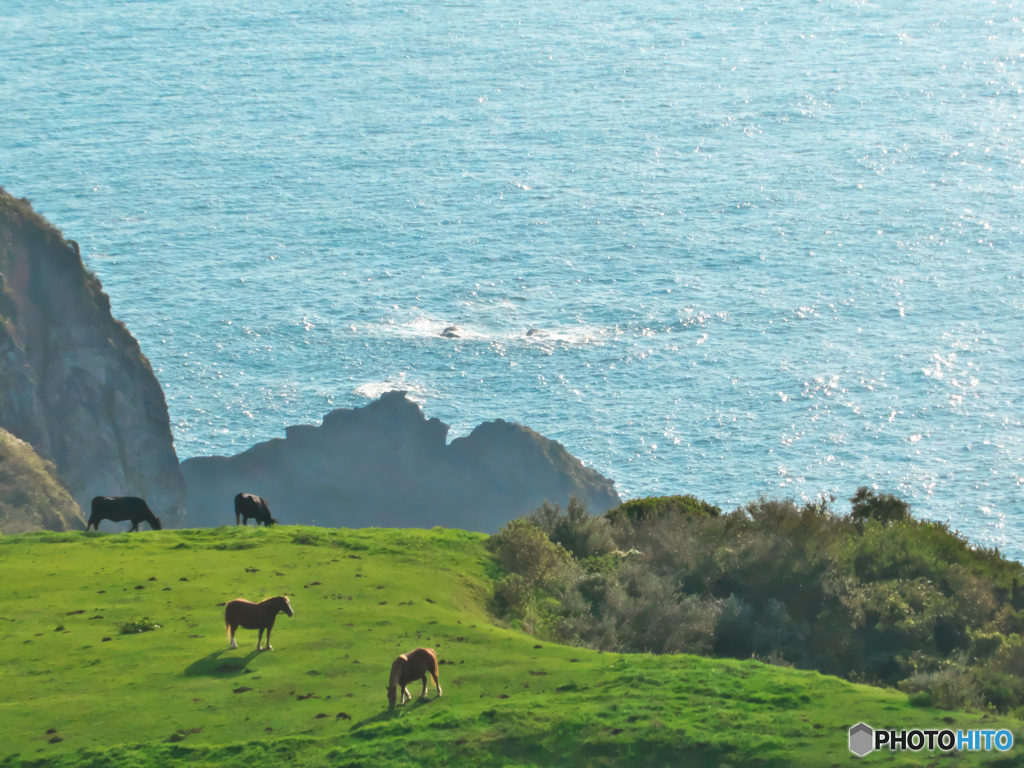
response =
{"points": [[371, 390]]}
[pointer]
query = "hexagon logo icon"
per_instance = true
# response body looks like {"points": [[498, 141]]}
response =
{"points": [[862, 738]]}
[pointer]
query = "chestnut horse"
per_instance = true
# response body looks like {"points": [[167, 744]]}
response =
{"points": [[410, 666], [242, 613]]}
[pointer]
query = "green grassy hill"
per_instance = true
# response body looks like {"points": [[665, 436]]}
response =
{"points": [[178, 696]]}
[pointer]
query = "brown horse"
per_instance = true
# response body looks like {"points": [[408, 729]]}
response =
{"points": [[410, 666], [242, 613]]}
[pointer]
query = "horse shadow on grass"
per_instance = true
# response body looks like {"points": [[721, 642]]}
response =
{"points": [[391, 714], [213, 666]]}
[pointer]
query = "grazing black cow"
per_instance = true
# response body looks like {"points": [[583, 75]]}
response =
{"points": [[250, 505], [117, 509]]}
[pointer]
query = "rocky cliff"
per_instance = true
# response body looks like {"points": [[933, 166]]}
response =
{"points": [[386, 464], [73, 381]]}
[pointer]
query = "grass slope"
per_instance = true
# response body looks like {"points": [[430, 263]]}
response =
{"points": [[177, 696]]}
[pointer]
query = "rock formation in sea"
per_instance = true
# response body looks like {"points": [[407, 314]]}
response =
{"points": [[386, 464], [74, 383], [33, 497]]}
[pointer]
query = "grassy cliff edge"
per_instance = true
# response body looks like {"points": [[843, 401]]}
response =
{"points": [[176, 695]]}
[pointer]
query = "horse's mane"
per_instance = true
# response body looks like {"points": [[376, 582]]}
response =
{"points": [[396, 671]]}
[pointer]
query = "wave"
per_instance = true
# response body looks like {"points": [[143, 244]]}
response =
{"points": [[371, 390]]}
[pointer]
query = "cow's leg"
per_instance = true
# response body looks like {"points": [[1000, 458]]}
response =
{"points": [[234, 628], [260, 639], [238, 518], [436, 684], [135, 526]]}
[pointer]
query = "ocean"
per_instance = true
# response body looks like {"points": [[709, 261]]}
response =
{"points": [[728, 249]]}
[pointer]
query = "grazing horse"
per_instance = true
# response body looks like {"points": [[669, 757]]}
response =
{"points": [[250, 505], [410, 666], [117, 509], [261, 615]]}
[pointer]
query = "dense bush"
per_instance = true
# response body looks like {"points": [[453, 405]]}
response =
{"points": [[874, 595], [33, 496]]}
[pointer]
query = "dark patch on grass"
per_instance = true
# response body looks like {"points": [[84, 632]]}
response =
{"points": [[242, 689], [73, 613], [145, 624]]}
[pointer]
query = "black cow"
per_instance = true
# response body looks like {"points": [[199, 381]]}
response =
{"points": [[250, 505], [117, 509]]}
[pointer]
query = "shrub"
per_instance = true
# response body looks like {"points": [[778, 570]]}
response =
{"points": [[579, 532], [144, 624], [883, 507], [521, 547], [875, 596], [950, 688], [653, 507], [512, 596]]}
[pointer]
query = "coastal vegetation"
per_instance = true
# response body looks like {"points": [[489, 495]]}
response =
{"points": [[80, 690], [873, 595], [32, 495]]}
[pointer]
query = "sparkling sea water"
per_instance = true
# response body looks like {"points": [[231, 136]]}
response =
{"points": [[727, 249]]}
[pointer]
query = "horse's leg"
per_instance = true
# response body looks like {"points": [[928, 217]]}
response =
{"points": [[436, 684], [269, 646], [424, 694], [234, 628], [260, 638], [405, 695]]}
